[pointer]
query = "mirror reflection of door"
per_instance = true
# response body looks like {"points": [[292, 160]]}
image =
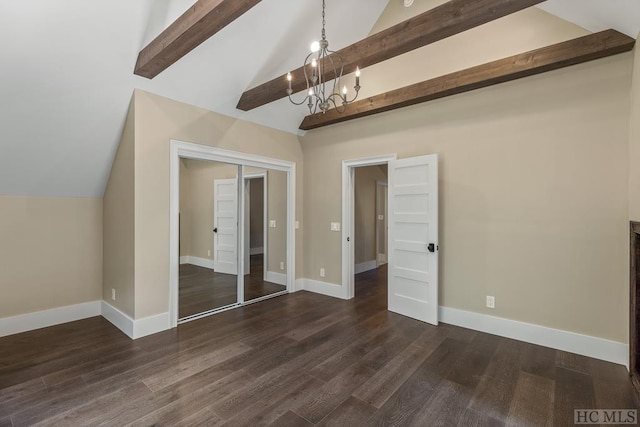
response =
{"points": [[208, 278], [265, 193]]}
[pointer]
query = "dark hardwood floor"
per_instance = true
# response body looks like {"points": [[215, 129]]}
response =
{"points": [[298, 360], [202, 289]]}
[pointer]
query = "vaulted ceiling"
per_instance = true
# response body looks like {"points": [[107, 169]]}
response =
{"points": [[66, 73]]}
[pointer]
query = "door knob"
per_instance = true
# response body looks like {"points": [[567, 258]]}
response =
{"points": [[215, 230], [431, 247]]}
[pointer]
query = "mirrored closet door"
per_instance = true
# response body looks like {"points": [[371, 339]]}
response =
{"points": [[265, 248], [232, 234], [208, 273]]}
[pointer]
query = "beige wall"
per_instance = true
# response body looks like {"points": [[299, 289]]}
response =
{"points": [[50, 253], [365, 212], [118, 225], [533, 186], [196, 209], [277, 210], [158, 120], [634, 140], [196, 205]]}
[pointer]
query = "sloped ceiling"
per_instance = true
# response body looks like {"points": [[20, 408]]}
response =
{"points": [[66, 73]]}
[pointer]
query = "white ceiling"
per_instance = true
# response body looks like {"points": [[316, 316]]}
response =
{"points": [[66, 73]]}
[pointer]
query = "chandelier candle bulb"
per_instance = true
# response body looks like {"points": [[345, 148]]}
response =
{"points": [[344, 90], [357, 76]]}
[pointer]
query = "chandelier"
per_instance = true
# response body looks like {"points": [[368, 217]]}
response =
{"points": [[320, 66]]}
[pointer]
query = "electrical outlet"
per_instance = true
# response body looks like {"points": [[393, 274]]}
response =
{"points": [[272, 223], [491, 302], [335, 226], [113, 294], [322, 272], [297, 225], [209, 253], [281, 265]]}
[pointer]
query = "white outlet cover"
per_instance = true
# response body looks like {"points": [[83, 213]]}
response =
{"points": [[335, 226], [491, 302], [272, 223], [297, 225], [381, 217]]}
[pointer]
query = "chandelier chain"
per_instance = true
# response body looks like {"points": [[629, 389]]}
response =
{"points": [[324, 36]]}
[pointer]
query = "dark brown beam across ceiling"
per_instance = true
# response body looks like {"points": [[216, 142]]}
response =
{"points": [[197, 24], [436, 24], [576, 51]]}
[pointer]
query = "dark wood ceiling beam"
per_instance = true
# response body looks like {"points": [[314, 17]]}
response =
{"points": [[197, 24], [436, 24], [576, 51]]}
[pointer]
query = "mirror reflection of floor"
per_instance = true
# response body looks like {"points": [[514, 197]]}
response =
{"points": [[202, 289]]}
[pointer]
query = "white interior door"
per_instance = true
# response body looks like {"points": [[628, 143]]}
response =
{"points": [[413, 237], [225, 222]]}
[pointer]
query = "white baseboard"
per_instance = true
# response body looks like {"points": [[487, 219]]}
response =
{"points": [[277, 278], [135, 329], [298, 285], [256, 251], [598, 348], [366, 266], [324, 288], [194, 260], [118, 318], [42, 319]]}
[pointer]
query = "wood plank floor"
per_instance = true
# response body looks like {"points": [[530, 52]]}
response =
{"points": [[202, 289], [298, 360]]}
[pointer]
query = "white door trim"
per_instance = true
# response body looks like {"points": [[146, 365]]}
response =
{"points": [[181, 149], [348, 195]]}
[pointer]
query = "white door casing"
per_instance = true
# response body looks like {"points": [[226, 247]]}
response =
{"points": [[225, 222], [413, 227]]}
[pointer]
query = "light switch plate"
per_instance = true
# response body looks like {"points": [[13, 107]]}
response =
{"points": [[335, 226], [297, 225]]}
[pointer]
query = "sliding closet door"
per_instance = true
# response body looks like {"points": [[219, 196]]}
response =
{"points": [[209, 233]]}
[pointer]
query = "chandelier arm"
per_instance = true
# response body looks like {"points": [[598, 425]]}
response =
{"points": [[337, 77], [294, 102], [339, 108]]}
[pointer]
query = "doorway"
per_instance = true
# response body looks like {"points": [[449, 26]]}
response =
{"points": [[412, 233], [370, 231], [227, 249]]}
